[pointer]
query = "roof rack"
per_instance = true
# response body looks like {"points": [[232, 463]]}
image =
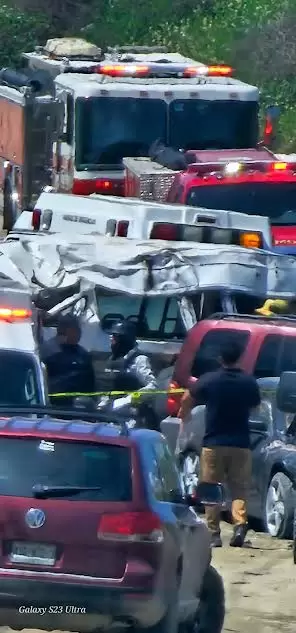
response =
{"points": [[67, 414], [254, 317]]}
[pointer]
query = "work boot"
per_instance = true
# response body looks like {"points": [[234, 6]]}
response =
{"points": [[239, 535], [216, 540]]}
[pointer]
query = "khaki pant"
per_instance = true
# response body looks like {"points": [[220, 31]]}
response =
{"points": [[231, 466]]}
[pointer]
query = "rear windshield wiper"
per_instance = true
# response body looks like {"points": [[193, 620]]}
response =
{"points": [[46, 492]]}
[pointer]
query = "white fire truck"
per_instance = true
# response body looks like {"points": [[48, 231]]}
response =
{"points": [[116, 104]]}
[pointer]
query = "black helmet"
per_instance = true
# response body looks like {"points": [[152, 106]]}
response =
{"points": [[124, 329], [67, 321]]}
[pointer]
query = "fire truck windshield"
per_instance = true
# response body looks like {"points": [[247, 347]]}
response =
{"points": [[109, 128], [277, 200], [199, 124]]}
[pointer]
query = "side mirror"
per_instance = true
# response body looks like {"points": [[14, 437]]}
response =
{"points": [[85, 403], [286, 392], [207, 494], [272, 115]]}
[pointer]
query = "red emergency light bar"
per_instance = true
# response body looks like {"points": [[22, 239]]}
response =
{"points": [[219, 70], [178, 70], [232, 168]]}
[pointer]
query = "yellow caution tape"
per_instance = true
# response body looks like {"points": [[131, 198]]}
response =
{"points": [[135, 394]]}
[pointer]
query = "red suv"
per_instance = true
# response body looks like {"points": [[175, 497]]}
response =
{"points": [[269, 348], [95, 531]]}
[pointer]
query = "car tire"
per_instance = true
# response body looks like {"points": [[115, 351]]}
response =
{"points": [[279, 507], [169, 623], [211, 612]]}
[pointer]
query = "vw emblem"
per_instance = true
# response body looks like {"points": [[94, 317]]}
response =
{"points": [[35, 518]]}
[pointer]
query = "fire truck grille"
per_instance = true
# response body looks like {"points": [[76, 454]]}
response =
{"points": [[155, 187]]}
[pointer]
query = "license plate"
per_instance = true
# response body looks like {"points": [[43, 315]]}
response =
{"points": [[32, 553]]}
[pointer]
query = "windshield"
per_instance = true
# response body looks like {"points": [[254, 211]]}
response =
{"points": [[199, 124], [109, 128], [25, 463], [275, 200], [19, 383], [154, 317]]}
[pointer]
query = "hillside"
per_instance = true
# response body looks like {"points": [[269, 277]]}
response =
{"points": [[257, 37]]}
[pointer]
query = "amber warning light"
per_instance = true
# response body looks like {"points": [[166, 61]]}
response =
{"points": [[15, 314]]}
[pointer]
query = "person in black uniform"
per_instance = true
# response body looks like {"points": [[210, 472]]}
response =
{"points": [[128, 369], [69, 365]]}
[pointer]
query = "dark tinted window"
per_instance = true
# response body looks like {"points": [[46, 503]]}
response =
{"points": [[25, 462], [207, 303], [207, 355], [275, 200], [155, 317], [110, 128], [18, 384], [246, 304], [267, 363], [277, 354], [216, 124]]}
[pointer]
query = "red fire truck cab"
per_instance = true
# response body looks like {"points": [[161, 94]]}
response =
{"points": [[250, 181]]}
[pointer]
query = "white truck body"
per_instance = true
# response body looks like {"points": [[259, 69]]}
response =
{"points": [[69, 215]]}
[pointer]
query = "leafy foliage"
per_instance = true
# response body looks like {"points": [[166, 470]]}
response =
{"points": [[258, 37], [19, 32]]}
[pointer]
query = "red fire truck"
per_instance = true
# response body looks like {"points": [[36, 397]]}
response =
{"points": [[113, 103], [252, 181]]}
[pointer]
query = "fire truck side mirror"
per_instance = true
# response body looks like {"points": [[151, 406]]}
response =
{"points": [[272, 115]]}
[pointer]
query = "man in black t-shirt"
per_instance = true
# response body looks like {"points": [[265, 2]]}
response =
{"points": [[229, 395], [69, 365]]}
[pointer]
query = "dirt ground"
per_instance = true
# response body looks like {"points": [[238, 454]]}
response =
{"points": [[260, 584]]}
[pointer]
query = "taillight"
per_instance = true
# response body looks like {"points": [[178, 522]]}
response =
{"points": [[174, 400], [36, 219], [122, 228], [131, 526], [164, 231], [98, 185]]}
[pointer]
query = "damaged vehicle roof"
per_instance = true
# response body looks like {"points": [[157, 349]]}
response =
{"points": [[150, 267]]}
